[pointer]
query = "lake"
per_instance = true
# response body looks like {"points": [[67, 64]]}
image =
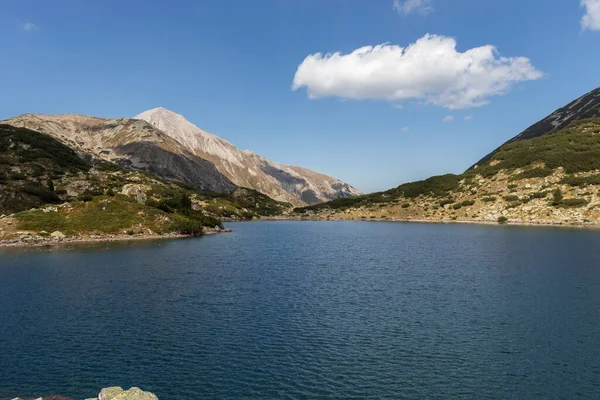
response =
{"points": [[294, 310]]}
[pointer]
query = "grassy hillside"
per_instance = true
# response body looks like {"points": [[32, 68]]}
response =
{"points": [[29, 164], [50, 188], [536, 177]]}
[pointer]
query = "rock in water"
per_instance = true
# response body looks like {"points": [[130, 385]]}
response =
{"points": [[117, 393]]}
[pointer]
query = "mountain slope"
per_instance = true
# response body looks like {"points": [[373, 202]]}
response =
{"points": [[132, 143], [247, 169], [538, 177], [46, 187], [587, 106]]}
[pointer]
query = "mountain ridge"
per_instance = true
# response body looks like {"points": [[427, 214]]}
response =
{"points": [[128, 142], [245, 168], [557, 120]]}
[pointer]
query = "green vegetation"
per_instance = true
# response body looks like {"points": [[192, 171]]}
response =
{"points": [[557, 197], [575, 148], [465, 203], [581, 180], [573, 203], [489, 199], [438, 186], [540, 172], [511, 197], [36, 169], [446, 201], [538, 195], [502, 220], [29, 161]]}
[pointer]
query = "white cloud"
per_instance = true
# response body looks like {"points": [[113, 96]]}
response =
{"points": [[406, 7], [29, 27], [431, 69], [449, 118], [591, 19], [398, 106], [404, 129], [468, 117]]}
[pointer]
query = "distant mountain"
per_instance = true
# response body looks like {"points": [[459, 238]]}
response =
{"points": [[129, 142], [247, 169], [587, 106]]}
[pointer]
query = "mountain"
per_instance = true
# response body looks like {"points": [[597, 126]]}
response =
{"points": [[587, 106], [549, 174], [247, 169], [46, 187], [131, 143]]}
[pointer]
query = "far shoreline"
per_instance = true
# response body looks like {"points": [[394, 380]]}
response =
{"points": [[553, 224]]}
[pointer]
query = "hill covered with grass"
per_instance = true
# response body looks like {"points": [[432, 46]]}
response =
{"points": [[552, 178], [45, 186]]}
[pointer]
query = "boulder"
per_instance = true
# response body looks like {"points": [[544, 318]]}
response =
{"points": [[58, 235], [117, 393], [137, 191]]}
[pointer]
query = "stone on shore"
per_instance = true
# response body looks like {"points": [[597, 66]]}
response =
{"points": [[117, 393], [58, 235]]}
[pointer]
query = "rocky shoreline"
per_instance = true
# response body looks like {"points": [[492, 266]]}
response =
{"points": [[111, 393], [27, 239], [575, 224]]}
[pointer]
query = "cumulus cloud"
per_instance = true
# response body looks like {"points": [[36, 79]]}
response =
{"points": [[468, 117], [404, 129], [30, 27], [449, 118], [591, 19], [406, 7], [398, 106], [431, 70]]}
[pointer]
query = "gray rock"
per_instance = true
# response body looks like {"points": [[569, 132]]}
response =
{"points": [[58, 235], [117, 393]]}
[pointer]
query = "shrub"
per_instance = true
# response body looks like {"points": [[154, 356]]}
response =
{"points": [[405, 205], [465, 203], [511, 197], [86, 196], [42, 193], [489, 199], [538, 195], [512, 186], [533, 173], [557, 196], [436, 185], [502, 220], [573, 203], [581, 180], [187, 227], [446, 201]]}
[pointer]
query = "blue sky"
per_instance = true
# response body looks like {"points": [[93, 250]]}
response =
{"points": [[229, 67]]}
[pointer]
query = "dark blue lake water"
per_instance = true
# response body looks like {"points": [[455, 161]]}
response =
{"points": [[309, 310]]}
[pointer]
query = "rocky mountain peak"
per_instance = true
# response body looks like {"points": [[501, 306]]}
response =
{"points": [[247, 169]]}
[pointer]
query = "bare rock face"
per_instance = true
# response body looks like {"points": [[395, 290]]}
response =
{"points": [[137, 191], [292, 184]]}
